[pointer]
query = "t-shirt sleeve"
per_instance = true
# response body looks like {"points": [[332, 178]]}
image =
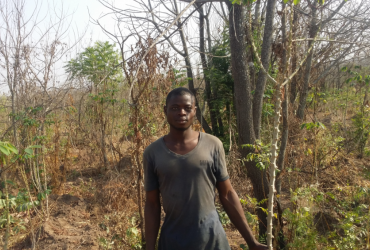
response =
{"points": [[150, 177], [221, 173]]}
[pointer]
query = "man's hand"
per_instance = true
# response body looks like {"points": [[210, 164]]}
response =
{"points": [[231, 203]]}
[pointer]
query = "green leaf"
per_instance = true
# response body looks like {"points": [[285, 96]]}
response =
{"points": [[35, 146], [321, 125], [296, 2], [27, 205], [29, 151], [18, 228], [13, 149], [286, 1], [344, 69], [260, 165], [4, 150], [2, 203], [264, 210], [10, 182], [12, 202], [41, 196]]}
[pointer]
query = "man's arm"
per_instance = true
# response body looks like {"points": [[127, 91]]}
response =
{"points": [[152, 215], [230, 201]]}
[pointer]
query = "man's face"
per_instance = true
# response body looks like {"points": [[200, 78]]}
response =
{"points": [[180, 112]]}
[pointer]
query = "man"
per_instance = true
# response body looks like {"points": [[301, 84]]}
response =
{"points": [[185, 167]]}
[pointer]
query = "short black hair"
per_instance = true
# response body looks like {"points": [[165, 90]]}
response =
{"points": [[180, 92]]}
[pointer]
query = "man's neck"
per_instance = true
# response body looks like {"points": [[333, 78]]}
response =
{"points": [[181, 136]]}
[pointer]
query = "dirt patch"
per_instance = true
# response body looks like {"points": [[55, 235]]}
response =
{"points": [[69, 226], [234, 238]]}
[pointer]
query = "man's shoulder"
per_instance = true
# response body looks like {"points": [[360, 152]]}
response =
{"points": [[153, 147], [211, 140]]}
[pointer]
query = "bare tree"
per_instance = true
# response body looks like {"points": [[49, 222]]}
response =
{"points": [[148, 18], [265, 58], [315, 26], [29, 57], [205, 63]]}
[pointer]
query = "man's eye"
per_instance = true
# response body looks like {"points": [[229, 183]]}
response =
{"points": [[174, 108], [188, 109]]}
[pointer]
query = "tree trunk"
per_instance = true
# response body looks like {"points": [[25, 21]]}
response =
{"points": [[265, 58], [338, 76], [205, 73], [307, 73], [214, 88], [257, 13], [256, 29], [293, 84], [189, 73], [273, 167], [7, 231], [284, 139], [243, 100], [199, 115], [104, 152], [285, 129], [12, 92], [243, 104]]}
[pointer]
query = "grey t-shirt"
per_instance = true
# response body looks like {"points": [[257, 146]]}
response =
{"points": [[187, 185]]}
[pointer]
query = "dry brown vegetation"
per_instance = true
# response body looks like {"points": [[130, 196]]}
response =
{"points": [[71, 154]]}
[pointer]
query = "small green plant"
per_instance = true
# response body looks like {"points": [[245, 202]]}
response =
{"points": [[243, 247], [224, 218], [260, 154], [301, 226], [19, 203], [361, 121], [112, 242], [344, 228], [8, 203], [133, 236], [6, 149], [312, 125], [252, 218], [106, 244]]}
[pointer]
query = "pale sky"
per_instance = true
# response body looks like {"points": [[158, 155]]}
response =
{"points": [[79, 13], [77, 24], [80, 10]]}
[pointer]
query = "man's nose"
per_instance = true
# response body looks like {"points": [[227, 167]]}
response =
{"points": [[182, 111]]}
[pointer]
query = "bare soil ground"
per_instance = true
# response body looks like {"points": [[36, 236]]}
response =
{"points": [[72, 224]]}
